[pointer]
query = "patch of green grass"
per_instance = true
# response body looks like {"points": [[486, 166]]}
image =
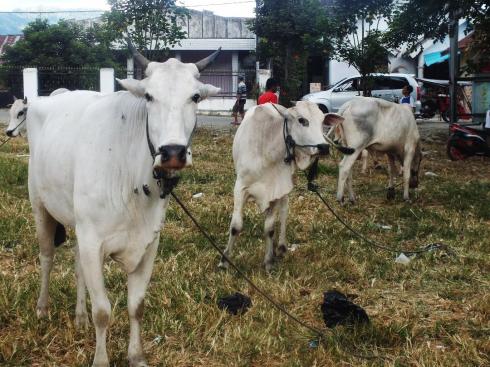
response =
{"points": [[431, 312]]}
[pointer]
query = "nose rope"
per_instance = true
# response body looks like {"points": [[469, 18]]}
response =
{"points": [[15, 128], [165, 182], [289, 140], [151, 147]]}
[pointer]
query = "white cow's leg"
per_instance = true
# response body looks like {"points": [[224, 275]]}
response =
{"points": [[269, 224], [350, 189], [45, 228], [407, 164], [236, 224], [345, 167], [283, 217], [81, 317], [137, 284], [390, 195], [364, 158], [91, 260]]}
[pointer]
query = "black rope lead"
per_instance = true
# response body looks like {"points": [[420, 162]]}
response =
{"points": [[313, 187], [318, 332], [4, 142]]}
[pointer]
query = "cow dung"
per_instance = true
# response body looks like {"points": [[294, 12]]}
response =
{"points": [[338, 310], [235, 304]]}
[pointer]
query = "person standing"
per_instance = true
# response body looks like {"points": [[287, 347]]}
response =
{"points": [[407, 98], [269, 96], [241, 99]]}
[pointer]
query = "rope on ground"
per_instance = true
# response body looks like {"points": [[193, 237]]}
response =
{"points": [[430, 247], [281, 308], [4, 142]]}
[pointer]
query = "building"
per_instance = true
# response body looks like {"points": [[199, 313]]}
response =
{"points": [[206, 32], [8, 40]]}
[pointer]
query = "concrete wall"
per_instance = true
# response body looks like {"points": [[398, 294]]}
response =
{"points": [[207, 25]]}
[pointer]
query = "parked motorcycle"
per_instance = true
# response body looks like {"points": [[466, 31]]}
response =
{"points": [[465, 142]]}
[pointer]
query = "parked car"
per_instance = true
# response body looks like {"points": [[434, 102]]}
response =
{"points": [[386, 86]]}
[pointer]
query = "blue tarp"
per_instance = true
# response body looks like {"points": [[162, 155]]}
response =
{"points": [[434, 58]]}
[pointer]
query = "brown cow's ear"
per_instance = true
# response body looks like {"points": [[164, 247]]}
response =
{"points": [[332, 119]]}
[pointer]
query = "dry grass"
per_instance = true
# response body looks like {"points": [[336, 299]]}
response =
{"points": [[433, 312]]}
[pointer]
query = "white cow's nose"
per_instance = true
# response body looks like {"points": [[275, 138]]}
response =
{"points": [[173, 156]]}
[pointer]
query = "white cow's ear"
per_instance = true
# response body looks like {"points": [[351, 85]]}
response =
{"points": [[332, 119], [208, 90], [134, 86]]}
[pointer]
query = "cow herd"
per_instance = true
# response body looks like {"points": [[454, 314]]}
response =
{"points": [[96, 161]]}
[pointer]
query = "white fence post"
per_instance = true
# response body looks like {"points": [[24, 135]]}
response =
{"points": [[30, 82], [106, 80]]}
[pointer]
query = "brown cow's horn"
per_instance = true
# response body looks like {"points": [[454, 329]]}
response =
{"points": [[140, 59], [204, 63]]}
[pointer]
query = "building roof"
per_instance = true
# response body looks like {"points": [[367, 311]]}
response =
{"points": [[8, 39]]}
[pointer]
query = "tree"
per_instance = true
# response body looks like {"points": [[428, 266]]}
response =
{"points": [[151, 24], [62, 44], [358, 38], [416, 20], [288, 32]]}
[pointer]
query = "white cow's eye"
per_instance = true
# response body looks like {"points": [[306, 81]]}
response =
{"points": [[148, 97], [196, 97], [303, 121], [21, 113]]}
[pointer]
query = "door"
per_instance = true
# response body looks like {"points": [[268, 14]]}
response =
{"points": [[388, 88], [344, 92]]}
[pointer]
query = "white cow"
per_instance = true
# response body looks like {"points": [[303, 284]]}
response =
{"points": [[377, 125], [18, 114], [89, 161], [263, 174], [17, 117]]}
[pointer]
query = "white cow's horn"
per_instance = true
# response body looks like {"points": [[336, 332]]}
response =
{"points": [[140, 59], [204, 63]]}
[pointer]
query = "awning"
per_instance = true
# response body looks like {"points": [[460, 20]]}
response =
{"points": [[435, 58]]}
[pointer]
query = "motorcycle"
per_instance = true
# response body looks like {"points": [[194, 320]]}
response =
{"points": [[465, 142]]}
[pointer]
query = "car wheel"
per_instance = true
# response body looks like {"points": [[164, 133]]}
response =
{"points": [[323, 108]]}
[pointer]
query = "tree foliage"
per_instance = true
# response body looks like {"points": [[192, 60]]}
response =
{"points": [[288, 32], [65, 44], [415, 20], [151, 24], [358, 39]]}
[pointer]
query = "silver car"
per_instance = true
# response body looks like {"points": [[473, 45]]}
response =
{"points": [[386, 86]]}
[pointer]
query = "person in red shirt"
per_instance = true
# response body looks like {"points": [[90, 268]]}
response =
{"points": [[269, 96]]}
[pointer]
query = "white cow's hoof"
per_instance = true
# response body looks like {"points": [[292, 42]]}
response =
{"points": [[223, 265], [390, 193], [138, 361], [281, 251], [81, 321], [100, 364], [42, 312], [269, 266]]}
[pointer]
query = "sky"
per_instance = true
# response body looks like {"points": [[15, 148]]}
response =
{"points": [[230, 8]]}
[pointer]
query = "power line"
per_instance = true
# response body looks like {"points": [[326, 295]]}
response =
{"points": [[101, 11], [51, 11]]}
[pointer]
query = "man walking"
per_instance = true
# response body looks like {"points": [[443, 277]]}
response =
{"points": [[241, 99]]}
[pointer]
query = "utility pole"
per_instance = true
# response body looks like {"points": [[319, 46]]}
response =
{"points": [[453, 63]]}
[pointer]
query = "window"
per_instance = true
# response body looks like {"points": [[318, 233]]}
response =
{"points": [[389, 83], [350, 85]]}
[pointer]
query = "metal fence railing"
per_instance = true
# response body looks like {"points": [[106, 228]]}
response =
{"points": [[11, 84], [224, 79], [51, 78]]}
